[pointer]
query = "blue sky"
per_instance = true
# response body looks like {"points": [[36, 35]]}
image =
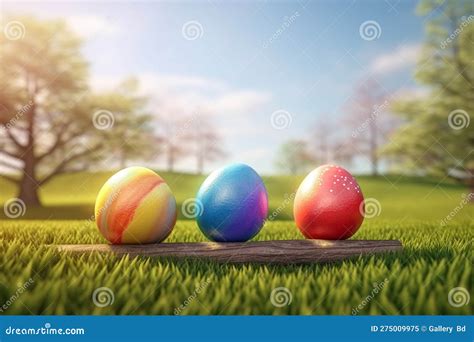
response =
{"points": [[249, 60]]}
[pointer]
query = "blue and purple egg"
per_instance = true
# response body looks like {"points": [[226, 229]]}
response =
{"points": [[234, 204]]}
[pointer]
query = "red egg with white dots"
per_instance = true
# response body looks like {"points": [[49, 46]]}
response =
{"points": [[329, 204]]}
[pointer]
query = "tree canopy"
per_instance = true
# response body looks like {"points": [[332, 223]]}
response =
{"points": [[47, 110], [437, 136]]}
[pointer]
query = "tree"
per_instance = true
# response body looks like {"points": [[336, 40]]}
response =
{"points": [[130, 135], [437, 137], [322, 134], [368, 121], [294, 157], [38, 74], [331, 143], [174, 137], [207, 143], [46, 108]]}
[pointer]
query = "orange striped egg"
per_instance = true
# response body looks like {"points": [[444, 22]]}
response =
{"points": [[135, 206]]}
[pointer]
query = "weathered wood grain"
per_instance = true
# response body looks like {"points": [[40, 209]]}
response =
{"points": [[267, 252]]}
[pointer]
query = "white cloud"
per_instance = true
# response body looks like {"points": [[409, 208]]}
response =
{"points": [[402, 57], [233, 111], [185, 95], [86, 26], [410, 93], [239, 101], [163, 81], [89, 26]]}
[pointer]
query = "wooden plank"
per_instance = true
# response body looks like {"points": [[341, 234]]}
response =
{"points": [[266, 252]]}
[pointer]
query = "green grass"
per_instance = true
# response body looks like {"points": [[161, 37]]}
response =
{"points": [[435, 260], [72, 196]]}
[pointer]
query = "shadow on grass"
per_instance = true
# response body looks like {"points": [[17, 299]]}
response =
{"points": [[62, 212]]}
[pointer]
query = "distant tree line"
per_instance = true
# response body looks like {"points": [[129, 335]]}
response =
{"points": [[52, 123], [360, 133], [427, 135]]}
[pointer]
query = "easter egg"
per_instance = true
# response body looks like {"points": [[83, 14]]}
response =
{"points": [[329, 204], [135, 206], [234, 204]]}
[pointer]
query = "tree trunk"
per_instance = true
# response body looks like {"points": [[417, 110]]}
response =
{"points": [[170, 158], [374, 160], [29, 185], [323, 146], [123, 159], [29, 191], [375, 167], [200, 163], [293, 169]]}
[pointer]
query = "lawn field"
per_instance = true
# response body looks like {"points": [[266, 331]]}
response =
{"points": [[72, 196], [416, 281], [36, 279]]}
